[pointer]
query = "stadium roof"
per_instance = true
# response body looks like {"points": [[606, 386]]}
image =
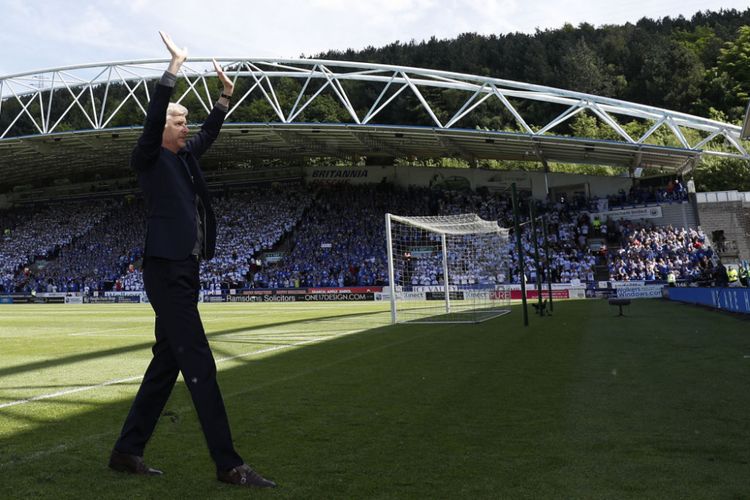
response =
{"points": [[57, 122]]}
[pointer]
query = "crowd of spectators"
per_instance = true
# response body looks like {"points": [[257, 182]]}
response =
{"points": [[41, 234], [673, 191], [340, 241], [570, 256], [651, 253], [250, 223], [332, 235], [100, 255]]}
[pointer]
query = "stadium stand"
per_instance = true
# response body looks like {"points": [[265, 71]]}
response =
{"points": [[330, 235], [39, 236], [248, 224], [649, 253]]}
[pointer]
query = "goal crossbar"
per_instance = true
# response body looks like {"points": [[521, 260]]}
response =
{"points": [[453, 224]]}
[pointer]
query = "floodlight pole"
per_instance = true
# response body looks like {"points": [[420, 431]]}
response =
{"points": [[537, 262], [519, 250], [549, 266]]}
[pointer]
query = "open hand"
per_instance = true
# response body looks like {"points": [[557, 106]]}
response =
{"points": [[178, 54], [224, 79]]}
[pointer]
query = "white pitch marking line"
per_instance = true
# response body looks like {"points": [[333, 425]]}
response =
{"points": [[110, 335], [131, 379], [64, 447], [54, 449], [102, 331], [68, 391]]}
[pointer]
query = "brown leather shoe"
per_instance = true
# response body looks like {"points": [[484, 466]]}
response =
{"points": [[243, 475], [132, 464]]}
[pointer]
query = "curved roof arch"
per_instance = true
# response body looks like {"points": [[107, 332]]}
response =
{"points": [[62, 112]]}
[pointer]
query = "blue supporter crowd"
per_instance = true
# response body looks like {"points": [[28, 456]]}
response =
{"points": [[651, 253], [333, 235], [673, 191]]}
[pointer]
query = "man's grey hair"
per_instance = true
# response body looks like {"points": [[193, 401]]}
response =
{"points": [[175, 109]]}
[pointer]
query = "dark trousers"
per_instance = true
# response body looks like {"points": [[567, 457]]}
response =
{"points": [[181, 346]]}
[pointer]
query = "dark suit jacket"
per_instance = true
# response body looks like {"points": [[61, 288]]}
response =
{"points": [[170, 188]]}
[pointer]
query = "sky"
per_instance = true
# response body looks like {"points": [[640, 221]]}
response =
{"points": [[42, 34]]}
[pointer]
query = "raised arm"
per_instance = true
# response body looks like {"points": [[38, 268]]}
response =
{"points": [[146, 152], [226, 82], [178, 54], [200, 142]]}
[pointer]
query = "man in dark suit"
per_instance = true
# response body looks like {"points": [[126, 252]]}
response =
{"points": [[181, 230]]}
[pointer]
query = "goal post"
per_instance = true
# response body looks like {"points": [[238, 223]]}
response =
{"points": [[447, 269]]}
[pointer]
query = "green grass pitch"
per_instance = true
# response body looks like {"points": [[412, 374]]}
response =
{"points": [[332, 402]]}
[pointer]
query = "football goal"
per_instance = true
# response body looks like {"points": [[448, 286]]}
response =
{"points": [[447, 269]]}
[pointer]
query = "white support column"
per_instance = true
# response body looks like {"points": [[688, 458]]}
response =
{"points": [[445, 273], [391, 273]]}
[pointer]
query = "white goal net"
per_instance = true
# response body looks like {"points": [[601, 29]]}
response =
{"points": [[471, 252]]}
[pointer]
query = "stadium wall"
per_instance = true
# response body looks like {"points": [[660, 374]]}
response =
{"points": [[473, 178], [727, 211]]}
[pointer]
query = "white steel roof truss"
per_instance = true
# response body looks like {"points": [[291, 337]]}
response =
{"points": [[565, 115], [273, 103], [382, 93], [307, 102], [735, 143], [205, 87], [463, 111], [386, 103], [64, 113], [42, 119], [653, 129], [191, 88], [76, 101], [292, 115], [678, 133], [724, 154], [104, 99], [611, 122], [512, 110], [49, 103], [708, 139], [131, 91], [336, 86], [25, 109], [241, 99], [422, 100], [122, 103], [336, 72]]}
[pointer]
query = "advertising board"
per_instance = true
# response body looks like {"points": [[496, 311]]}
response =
{"points": [[727, 299]]}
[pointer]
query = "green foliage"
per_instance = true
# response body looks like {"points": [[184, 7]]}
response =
{"points": [[584, 70], [326, 109], [719, 174], [734, 62], [580, 168], [586, 125]]}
